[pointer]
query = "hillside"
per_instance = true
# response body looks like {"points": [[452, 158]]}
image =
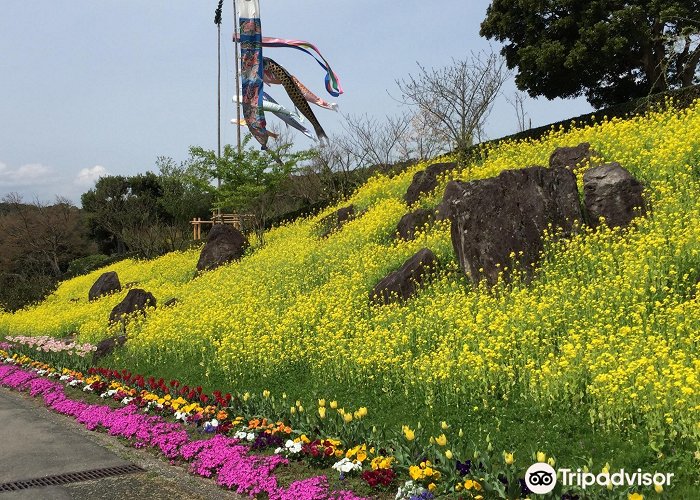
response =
{"points": [[608, 330]]}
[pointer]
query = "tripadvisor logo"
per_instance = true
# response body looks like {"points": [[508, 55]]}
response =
{"points": [[541, 478]]}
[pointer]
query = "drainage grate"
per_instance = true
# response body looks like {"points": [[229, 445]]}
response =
{"points": [[71, 477]]}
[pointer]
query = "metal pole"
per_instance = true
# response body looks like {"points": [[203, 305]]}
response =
{"points": [[218, 94], [238, 76]]}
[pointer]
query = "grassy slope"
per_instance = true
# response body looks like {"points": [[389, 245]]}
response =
{"points": [[599, 353]]}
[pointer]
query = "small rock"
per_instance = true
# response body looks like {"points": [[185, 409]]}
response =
{"points": [[571, 157], [107, 283], [426, 180], [107, 347], [413, 222], [404, 283], [135, 300], [224, 244], [610, 191], [336, 220], [171, 302]]}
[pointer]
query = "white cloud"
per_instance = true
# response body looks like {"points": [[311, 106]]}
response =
{"points": [[88, 176], [30, 174]]}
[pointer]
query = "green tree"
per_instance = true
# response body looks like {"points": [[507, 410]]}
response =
{"points": [[608, 50], [251, 179]]}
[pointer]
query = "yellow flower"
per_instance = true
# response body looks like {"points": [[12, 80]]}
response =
{"points": [[508, 457], [448, 454], [347, 418], [415, 472], [266, 394], [444, 426], [470, 484], [334, 405], [322, 412], [441, 440], [322, 403], [408, 433], [432, 486], [362, 411], [635, 496], [658, 488], [541, 456], [293, 410]]}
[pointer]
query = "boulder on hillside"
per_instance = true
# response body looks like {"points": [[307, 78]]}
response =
{"points": [[336, 220], [571, 157], [495, 218], [224, 244], [413, 222], [107, 347], [107, 283], [610, 191], [426, 180], [135, 300], [404, 283]]}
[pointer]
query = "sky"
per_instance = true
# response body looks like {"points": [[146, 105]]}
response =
{"points": [[91, 88]]}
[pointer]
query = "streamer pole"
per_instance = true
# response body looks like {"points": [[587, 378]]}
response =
{"points": [[238, 76]]}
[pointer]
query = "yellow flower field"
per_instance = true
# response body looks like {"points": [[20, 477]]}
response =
{"points": [[610, 325]]}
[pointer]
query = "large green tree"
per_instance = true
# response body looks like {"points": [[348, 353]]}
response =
{"points": [[608, 50]]}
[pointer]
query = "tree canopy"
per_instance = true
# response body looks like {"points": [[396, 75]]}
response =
{"points": [[608, 50]]}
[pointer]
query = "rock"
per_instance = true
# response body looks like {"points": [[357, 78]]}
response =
{"points": [[571, 157], [107, 346], [224, 244], [426, 180], [135, 300], [404, 283], [171, 302], [105, 284], [336, 220], [496, 217], [612, 192], [413, 222]]}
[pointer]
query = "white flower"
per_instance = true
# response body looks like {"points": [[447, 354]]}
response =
{"points": [[293, 447], [87, 388], [240, 435], [126, 401], [278, 451], [347, 465], [250, 436], [74, 383], [64, 378]]}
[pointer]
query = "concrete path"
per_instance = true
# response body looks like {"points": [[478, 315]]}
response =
{"points": [[35, 443]]}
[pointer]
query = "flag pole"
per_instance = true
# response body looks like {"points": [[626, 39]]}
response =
{"points": [[238, 76]]}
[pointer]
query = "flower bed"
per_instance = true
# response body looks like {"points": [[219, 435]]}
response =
{"points": [[217, 437]]}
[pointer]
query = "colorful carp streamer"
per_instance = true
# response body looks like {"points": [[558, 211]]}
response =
{"points": [[332, 81], [252, 69], [295, 94], [310, 96], [289, 117]]}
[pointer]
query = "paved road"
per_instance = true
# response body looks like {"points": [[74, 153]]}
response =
{"points": [[36, 443]]}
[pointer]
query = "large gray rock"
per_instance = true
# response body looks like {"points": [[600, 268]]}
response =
{"points": [[107, 283], [496, 217], [404, 283], [336, 220], [571, 157], [414, 222], [612, 192], [426, 180], [224, 244], [135, 300]]}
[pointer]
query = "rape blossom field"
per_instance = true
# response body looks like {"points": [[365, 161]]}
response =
{"points": [[603, 343]]}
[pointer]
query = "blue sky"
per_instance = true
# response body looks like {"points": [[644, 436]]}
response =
{"points": [[94, 87]]}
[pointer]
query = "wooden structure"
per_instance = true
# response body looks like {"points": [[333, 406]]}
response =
{"points": [[236, 220]]}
